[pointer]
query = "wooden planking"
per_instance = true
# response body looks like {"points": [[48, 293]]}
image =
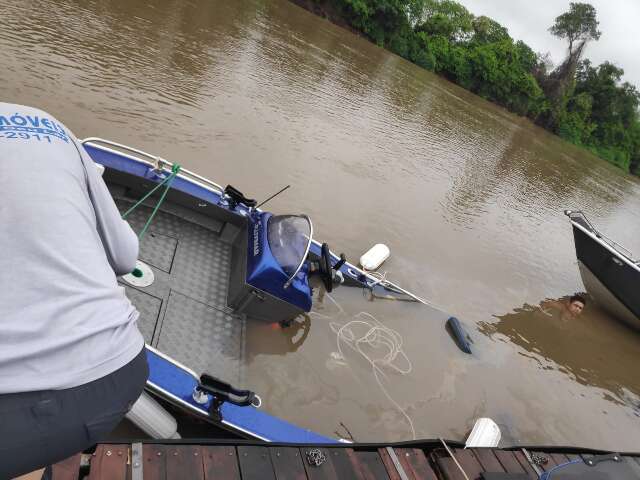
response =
{"points": [[524, 463], [184, 462], [287, 463], [345, 465], [559, 458], [371, 465], [255, 463], [109, 462], [195, 462], [67, 469], [154, 464], [220, 462], [469, 463], [415, 463], [509, 461], [449, 469], [550, 461], [488, 460], [388, 464], [325, 471]]}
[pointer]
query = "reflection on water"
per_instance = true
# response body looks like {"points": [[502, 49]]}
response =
{"points": [[278, 340], [469, 198], [591, 348]]}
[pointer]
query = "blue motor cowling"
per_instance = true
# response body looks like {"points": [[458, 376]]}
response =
{"points": [[269, 278], [276, 258]]}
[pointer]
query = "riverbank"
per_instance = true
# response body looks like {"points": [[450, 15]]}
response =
{"points": [[588, 106]]}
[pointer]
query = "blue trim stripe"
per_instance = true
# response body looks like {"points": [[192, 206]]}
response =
{"points": [[181, 384]]}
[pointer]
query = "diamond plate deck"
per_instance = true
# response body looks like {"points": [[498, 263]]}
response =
{"points": [[202, 337], [184, 312]]}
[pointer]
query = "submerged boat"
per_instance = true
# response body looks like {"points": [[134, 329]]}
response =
{"points": [[211, 261], [609, 272]]}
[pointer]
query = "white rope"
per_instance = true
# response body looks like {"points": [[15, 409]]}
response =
{"points": [[365, 332]]}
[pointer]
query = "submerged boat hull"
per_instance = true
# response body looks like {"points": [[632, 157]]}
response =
{"points": [[610, 277], [606, 299]]}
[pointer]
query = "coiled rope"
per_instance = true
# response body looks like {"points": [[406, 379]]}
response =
{"points": [[378, 344]]}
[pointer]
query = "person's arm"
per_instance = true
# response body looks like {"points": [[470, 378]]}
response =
{"points": [[119, 240]]}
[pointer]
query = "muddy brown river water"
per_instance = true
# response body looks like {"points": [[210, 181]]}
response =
{"points": [[468, 197]]}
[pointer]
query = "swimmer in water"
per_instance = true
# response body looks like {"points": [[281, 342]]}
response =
{"points": [[571, 307]]}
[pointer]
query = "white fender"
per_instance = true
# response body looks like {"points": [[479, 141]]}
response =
{"points": [[374, 257], [485, 433], [150, 417]]}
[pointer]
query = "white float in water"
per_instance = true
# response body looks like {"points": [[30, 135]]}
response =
{"points": [[375, 256], [485, 433]]}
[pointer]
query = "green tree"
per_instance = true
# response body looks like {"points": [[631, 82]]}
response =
{"points": [[487, 30], [381, 20], [445, 18], [577, 25]]}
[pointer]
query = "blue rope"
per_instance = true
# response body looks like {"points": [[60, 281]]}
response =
{"points": [[547, 475]]}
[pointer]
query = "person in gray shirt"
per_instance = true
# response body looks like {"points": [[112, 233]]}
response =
{"points": [[72, 360]]}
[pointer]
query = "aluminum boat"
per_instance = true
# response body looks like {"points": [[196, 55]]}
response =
{"points": [[210, 262], [609, 271]]}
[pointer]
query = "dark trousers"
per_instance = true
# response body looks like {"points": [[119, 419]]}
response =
{"points": [[44, 427]]}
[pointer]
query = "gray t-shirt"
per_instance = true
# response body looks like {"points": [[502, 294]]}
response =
{"points": [[64, 321]]}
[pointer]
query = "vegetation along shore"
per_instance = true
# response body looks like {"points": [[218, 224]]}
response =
{"points": [[588, 105]]}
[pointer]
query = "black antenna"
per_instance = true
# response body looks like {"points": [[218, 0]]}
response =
{"points": [[273, 196]]}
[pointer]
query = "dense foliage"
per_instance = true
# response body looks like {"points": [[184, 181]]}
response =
{"points": [[589, 106]]}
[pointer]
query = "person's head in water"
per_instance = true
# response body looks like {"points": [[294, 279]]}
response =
{"points": [[576, 304]]}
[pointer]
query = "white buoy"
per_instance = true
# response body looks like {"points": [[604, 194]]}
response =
{"points": [[485, 433], [150, 417], [374, 257]]}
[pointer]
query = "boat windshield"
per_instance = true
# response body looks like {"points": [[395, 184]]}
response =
{"points": [[289, 239]]}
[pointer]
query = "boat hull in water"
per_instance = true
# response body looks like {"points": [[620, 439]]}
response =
{"points": [[211, 262], [610, 275]]}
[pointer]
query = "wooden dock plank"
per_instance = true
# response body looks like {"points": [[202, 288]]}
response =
{"points": [[109, 462], [220, 462], [550, 461], [255, 463], [154, 462], [371, 465], [388, 464], [184, 461], [345, 465], [325, 471], [414, 460], [524, 463], [509, 461], [469, 463], [488, 460], [287, 463], [559, 458], [449, 469], [67, 469]]}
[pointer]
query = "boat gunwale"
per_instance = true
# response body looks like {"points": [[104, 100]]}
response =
{"points": [[629, 261], [207, 184]]}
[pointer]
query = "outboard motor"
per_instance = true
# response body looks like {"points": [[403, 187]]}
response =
{"points": [[271, 272]]}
